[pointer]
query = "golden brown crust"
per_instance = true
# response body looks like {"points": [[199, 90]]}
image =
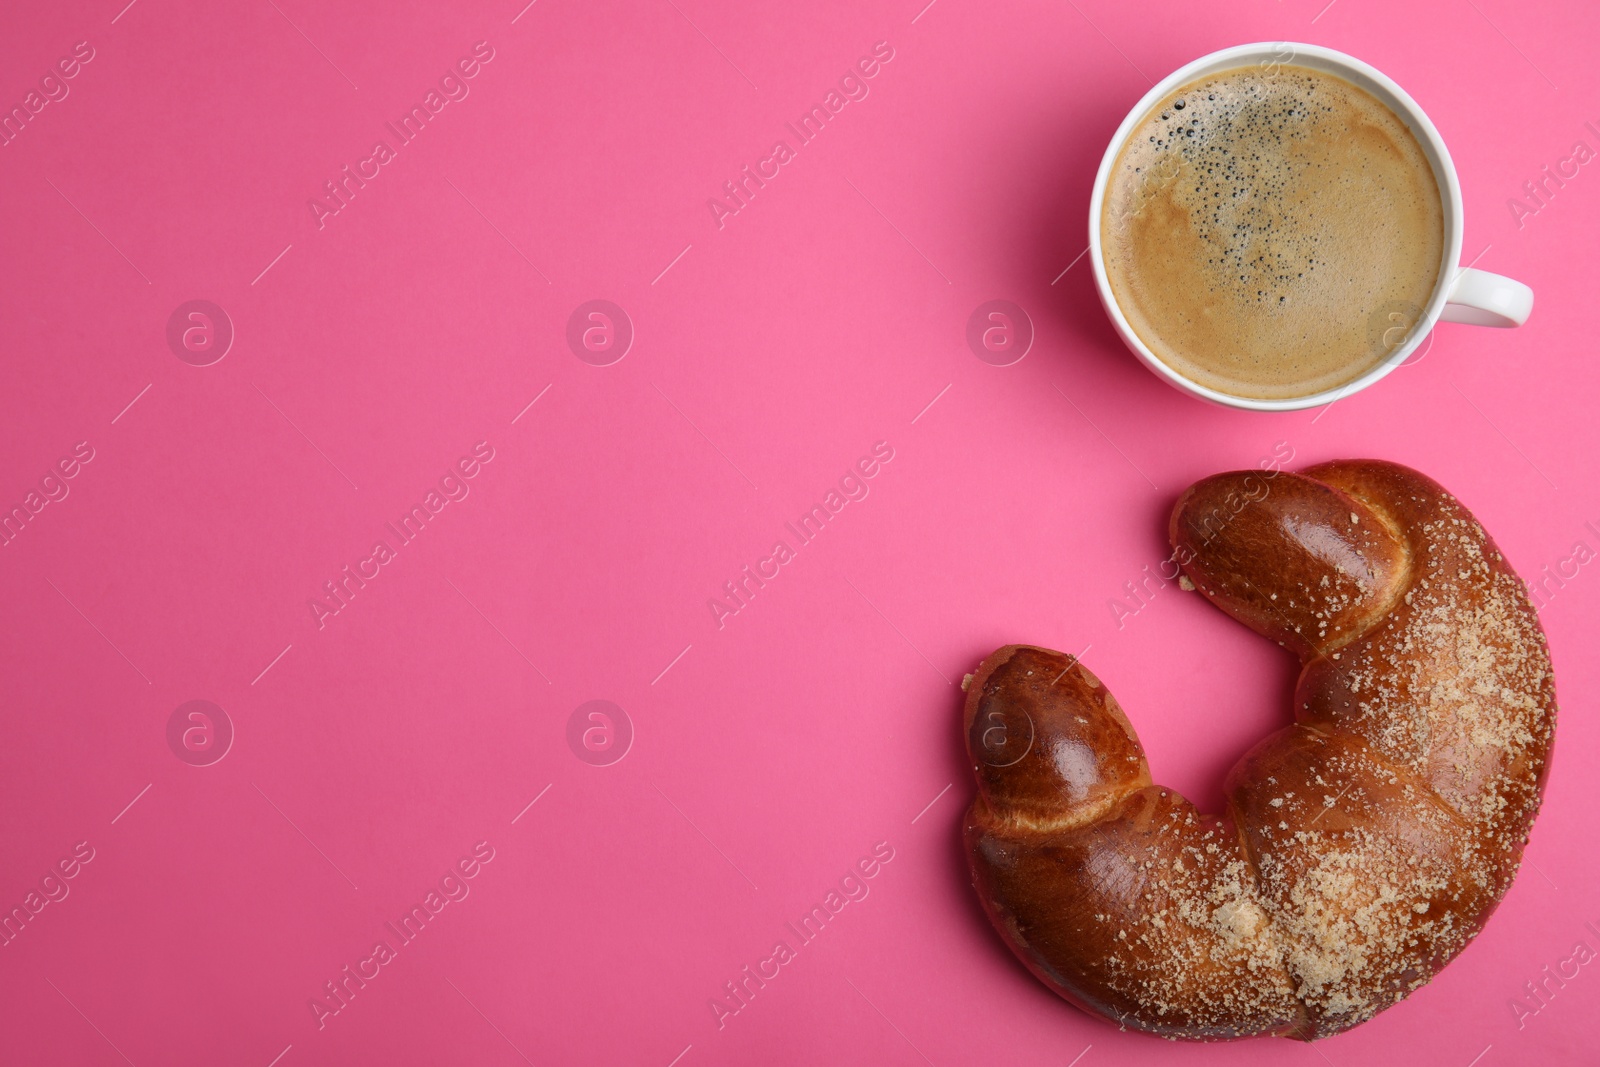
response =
{"points": [[1362, 847]]}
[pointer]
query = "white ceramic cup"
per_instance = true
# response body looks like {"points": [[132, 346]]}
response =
{"points": [[1462, 293]]}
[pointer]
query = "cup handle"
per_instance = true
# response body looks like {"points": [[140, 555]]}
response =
{"points": [[1483, 299]]}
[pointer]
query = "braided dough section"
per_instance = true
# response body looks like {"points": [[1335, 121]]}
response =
{"points": [[1362, 847]]}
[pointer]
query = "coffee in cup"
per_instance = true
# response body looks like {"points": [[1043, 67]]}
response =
{"points": [[1265, 227]]}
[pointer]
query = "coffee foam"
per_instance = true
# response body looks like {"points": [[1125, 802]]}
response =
{"points": [[1265, 229]]}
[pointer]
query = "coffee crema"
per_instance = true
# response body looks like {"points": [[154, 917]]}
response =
{"points": [[1272, 232]]}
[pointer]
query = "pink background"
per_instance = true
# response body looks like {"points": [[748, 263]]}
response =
{"points": [[770, 754]]}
